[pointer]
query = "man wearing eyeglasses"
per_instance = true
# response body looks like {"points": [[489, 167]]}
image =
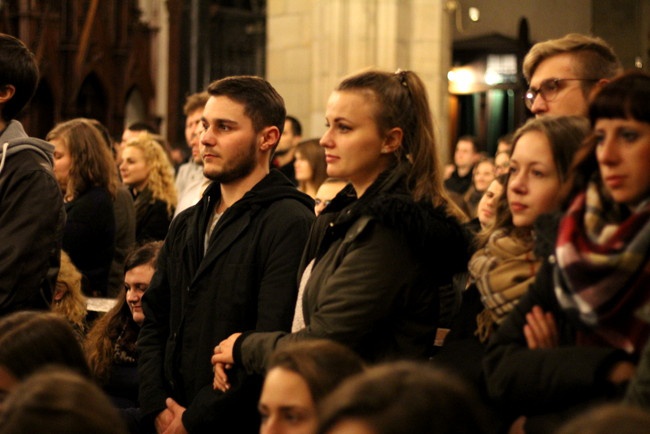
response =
{"points": [[562, 73]]}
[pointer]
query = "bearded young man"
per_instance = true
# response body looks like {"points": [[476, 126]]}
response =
{"points": [[229, 263]]}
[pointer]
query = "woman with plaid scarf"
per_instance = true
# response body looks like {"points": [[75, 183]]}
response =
{"points": [[575, 337]]}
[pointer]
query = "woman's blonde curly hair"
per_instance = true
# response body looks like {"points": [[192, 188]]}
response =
{"points": [[161, 175]]}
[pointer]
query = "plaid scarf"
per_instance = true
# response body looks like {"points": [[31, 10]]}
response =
{"points": [[503, 271], [603, 272]]}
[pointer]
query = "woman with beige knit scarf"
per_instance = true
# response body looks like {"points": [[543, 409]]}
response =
{"points": [[505, 267]]}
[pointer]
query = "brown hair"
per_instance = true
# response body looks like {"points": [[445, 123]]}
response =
{"points": [[323, 364], [92, 162], [471, 139], [100, 342], [625, 97], [502, 216], [402, 102], [59, 401], [608, 418], [482, 160], [32, 340], [311, 151], [194, 102], [405, 397], [565, 135]]}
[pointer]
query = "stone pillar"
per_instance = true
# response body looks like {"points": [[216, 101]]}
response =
{"points": [[312, 44], [156, 15], [430, 47]]}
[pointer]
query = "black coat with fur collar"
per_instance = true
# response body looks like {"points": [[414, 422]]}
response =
{"points": [[378, 263]]}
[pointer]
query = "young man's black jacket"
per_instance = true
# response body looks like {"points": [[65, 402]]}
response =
{"points": [[32, 218], [247, 280]]}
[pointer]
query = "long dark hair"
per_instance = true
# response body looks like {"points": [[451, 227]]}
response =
{"points": [[32, 340], [625, 97], [321, 363], [117, 322]]}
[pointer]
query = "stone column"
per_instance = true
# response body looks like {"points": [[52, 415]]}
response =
{"points": [[312, 44]]}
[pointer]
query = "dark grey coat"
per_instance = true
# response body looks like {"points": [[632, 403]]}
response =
{"points": [[31, 221], [379, 262]]}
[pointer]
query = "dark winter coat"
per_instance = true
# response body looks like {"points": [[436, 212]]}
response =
{"points": [[247, 280], [459, 184], [379, 262], [124, 212], [152, 218], [546, 381], [89, 237], [31, 221]]}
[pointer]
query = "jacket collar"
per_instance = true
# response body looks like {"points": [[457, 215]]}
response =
{"points": [[238, 217], [14, 139]]}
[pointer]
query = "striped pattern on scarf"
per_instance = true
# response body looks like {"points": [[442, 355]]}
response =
{"points": [[603, 272]]}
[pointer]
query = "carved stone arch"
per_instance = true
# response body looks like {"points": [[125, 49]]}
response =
{"points": [[42, 111], [92, 99]]}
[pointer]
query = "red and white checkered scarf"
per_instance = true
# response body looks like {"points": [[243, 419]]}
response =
{"points": [[603, 272]]}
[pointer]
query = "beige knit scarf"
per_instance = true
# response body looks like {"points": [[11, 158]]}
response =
{"points": [[503, 270]]}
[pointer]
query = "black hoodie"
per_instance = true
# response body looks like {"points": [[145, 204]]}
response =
{"points": [[247, 280], [31, 221]]}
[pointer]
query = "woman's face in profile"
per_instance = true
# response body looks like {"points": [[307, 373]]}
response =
{"points": [[487, 206], [136, 282], [62, 163], [623, 154], [304, 171], [354, 148], [286, 405], [534, 182], [483, 175], [134, 169], [326, 192], [501, 161]]}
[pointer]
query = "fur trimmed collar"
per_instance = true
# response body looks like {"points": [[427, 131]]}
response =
{"points": [[387, 201]]}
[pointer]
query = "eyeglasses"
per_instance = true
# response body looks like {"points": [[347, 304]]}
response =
{"points": [[548, 89], [325, 202]]}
